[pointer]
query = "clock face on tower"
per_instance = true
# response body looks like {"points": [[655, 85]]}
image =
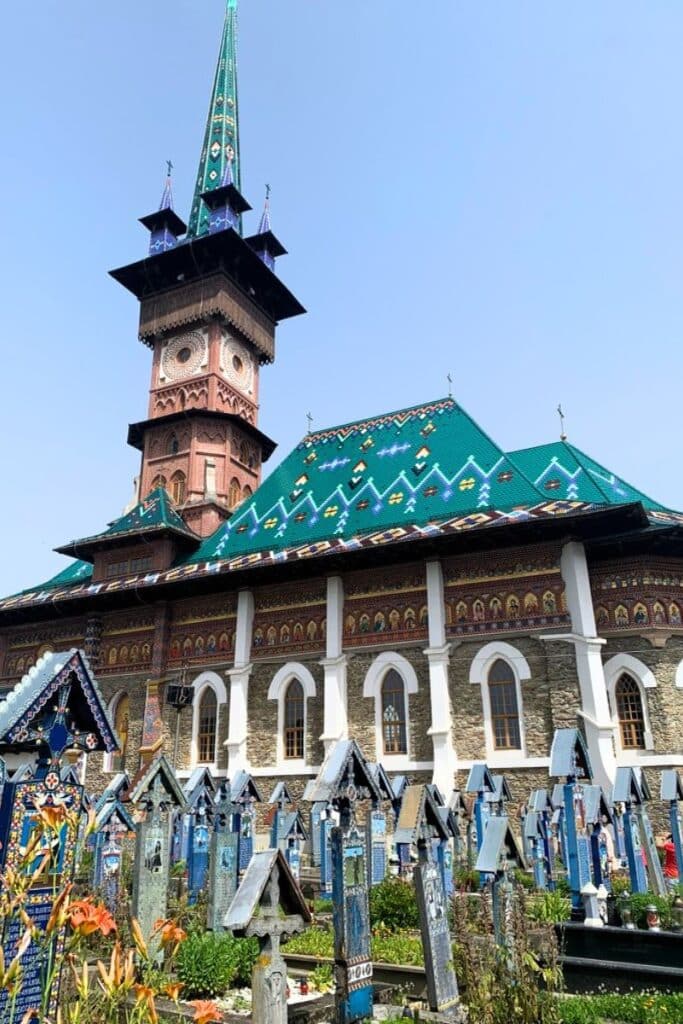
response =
{"points": [[238, 364], [183, 356]]}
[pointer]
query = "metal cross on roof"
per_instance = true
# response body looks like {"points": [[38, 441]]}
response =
{"points": [[563, 436]]}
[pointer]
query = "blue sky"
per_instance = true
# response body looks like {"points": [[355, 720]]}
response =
{"points": [[488, 189]]}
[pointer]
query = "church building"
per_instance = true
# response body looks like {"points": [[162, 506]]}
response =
{"points": [[404, 579]]}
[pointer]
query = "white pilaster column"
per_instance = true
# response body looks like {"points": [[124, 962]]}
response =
{"points": [[239, 685], [335, 718], [437, 655], [587, 645]]}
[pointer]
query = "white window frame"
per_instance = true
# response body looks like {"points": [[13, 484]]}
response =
{"points": [[479, 675], [214, 682], [372, 687], [617, 666], [108, 760], [276, 691], [679, 676]]}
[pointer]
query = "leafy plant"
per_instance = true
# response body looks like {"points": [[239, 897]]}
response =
{"points": [[632, 1008], [321, 906], [313, 942], [393, 904], [247, 951], [524, 879], [641, 900], [321, 978], [466, 879], [549, 908], [206, 964]]}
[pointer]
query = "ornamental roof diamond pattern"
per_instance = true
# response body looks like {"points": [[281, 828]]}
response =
{"points": [[428, 470], [563, 471]]}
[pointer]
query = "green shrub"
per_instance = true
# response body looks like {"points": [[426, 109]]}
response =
{"points": [[313, 942], [321, 906], [466, 879], [633, 1008], [548, 908], [321, 978], [524, 879], [393, 904], [247, 951], [207, 963], [640, 900]]}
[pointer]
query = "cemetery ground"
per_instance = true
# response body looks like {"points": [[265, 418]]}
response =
{"points": [[113, 977]]}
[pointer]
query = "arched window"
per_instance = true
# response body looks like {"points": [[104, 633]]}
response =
{"points": [[244, 453], [158, 481], [293, 739], [504, 707], [247, 492], [630, 713], [178, 488], [173, 446], [234, 493], [394, 732], [206, 726], [116, 762]]}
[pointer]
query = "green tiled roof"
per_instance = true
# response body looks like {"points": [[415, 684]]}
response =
{"points": [[417, 465], [563, 471], [404, 474], [153, 513]]}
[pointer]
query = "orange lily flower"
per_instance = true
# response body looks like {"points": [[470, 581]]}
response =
{"points": [[59, 912], [86, 917], [205, 1011], [173, 990], [170, 933], [145, 994]]}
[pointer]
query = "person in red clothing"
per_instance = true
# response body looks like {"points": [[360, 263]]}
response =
{"points": [[666, 843]]}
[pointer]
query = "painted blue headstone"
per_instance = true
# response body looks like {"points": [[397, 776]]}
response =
{"points": [[569, 758], [198, 846], [376, 824], [599, 816], [281, 799], [56, 707], [245, 795], [631, 790], [480, 782], [112, 822], [343, 780], [498, 853]]}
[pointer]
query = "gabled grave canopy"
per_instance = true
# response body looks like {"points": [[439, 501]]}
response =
{"points": [[569, 756], [672, 785], [243, 788], [419, 809], [344, 766], [247, 900], [436, 794], [501, 790], [115, 790], [113, 811], [293, 827], [160, 769], [450, 820], [398, 785], [630, 787], [200, 783], [532, 824], [498, 841], [539, 800], [383, 781], [29, 721], [280, 794], [557, 799], [480, 779], [596, 805]]}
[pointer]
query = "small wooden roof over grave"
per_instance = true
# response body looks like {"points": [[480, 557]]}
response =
{"points": [[417, 810], [344, 765], [569, 756], [200, 783], [398, 785], [116, 789], [672, 785], [160, 769], [539, 801], [280, 795], [630, 786], [29, 721], [499, 841], [557, 799], [480, 779], [532, 824], [383, 781], [596, 805], [247, 899], [113, 811], [501, 790], [450, 820], [243, 788], [293, 827]]}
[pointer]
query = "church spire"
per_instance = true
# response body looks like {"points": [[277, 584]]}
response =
{"points": [[164, 225], [221, 137]]}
